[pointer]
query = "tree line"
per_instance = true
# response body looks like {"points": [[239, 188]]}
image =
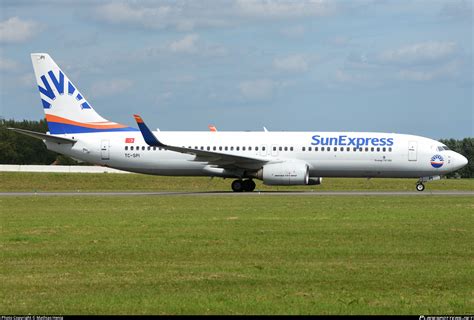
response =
{"points": [[20, 149]]}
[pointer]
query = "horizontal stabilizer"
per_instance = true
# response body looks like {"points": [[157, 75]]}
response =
{"points": [[43, 136]]}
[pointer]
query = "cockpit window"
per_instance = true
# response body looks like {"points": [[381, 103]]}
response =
{"points": [[446, 148], [441, 148]]}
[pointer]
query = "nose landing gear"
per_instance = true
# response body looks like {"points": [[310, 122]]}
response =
{"points": [[420, 186]]}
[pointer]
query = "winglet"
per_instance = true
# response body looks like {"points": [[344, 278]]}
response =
{"points": [[148, 136], [212, 128]]}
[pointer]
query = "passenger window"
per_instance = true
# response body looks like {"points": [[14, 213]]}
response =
{"points": [[208, 148], [303, 149], [220, 148], [384, 149], [226, 148], [243, 148], [237, 148], [291, 148], [378, 149], [372, 149], [256, 148], [309, 149], [315, 148], [214, 148], [335, 148], [202, 148], [286, 148], [354, 149], [250, 148], [322, 148], [390, 149], [126, 147], [154, 148], [263, 148], [366, 149]]}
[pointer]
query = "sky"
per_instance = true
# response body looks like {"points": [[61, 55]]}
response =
{"points": [[317, 65]]}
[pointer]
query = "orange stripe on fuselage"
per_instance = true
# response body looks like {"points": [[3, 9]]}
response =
{"points": [[93, 125]]}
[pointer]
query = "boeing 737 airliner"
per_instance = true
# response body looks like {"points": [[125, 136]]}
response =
{"points": [[276, 158]]}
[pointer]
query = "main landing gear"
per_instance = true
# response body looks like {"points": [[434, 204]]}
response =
{"points": [[243, 185]]}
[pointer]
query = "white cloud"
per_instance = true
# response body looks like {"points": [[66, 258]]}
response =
{"points": [[181, 15], [116, 12], [292, 63], [188, 44], [418, 53], [7, 64], [346, 77], [293, 31], [284, 8], [188, 15], [457, 10], [447, 70], [260, 89], [15, 30], [110, 87]]}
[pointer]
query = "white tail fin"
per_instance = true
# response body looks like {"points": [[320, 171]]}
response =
{"points": [[66, 109]]}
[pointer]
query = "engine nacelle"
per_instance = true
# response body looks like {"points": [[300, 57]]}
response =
{"points": [[315, 181], [289, 173]]}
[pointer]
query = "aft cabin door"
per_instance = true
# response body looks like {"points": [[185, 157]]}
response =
{"points": [[412, 150], [105, 150]]}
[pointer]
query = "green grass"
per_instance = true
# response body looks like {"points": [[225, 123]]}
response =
{"points": [[83, 182], [234, 255]]}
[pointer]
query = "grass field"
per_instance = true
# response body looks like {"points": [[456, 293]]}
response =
{"points": [[83, 182], [237, 255]]}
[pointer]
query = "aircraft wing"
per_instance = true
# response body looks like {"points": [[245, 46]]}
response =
{"points": [[223, 160]]}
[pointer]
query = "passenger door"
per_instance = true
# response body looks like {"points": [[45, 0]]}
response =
{"points": [[412, 150], [105, 149]]}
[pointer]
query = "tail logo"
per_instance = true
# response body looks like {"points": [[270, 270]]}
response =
{"points": [[59, 83], [437, 161]]}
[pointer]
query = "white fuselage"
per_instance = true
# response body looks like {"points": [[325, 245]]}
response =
{"points": [[345, 154]]}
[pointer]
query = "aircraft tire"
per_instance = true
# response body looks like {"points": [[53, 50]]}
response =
{"points": [[420, 186], [237, 186], [248, 185]]}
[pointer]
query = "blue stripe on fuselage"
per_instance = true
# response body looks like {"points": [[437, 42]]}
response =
{"points": [[62, 128]]}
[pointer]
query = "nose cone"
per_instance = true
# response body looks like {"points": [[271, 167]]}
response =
{"points": [[460, 161]]}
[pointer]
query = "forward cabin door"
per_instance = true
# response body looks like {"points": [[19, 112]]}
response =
{"points": [[105, 149], [412, 150]]}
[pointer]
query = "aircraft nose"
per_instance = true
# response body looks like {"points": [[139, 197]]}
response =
{"points": [[462, 160], [459, 161]]}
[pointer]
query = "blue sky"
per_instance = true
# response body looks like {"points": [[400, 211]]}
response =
{"points": [[390, 66]]}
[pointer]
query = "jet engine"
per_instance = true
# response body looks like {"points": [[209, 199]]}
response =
{"points": [[287, 173]]}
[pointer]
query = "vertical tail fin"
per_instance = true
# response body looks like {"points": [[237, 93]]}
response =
{"points": [[66, 109]]}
